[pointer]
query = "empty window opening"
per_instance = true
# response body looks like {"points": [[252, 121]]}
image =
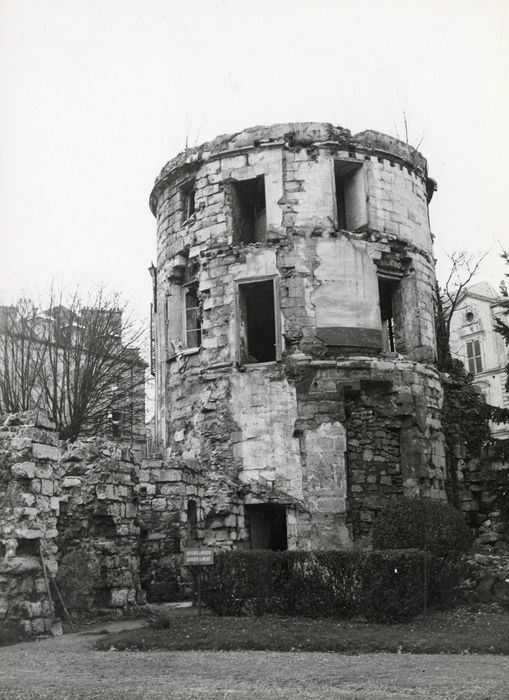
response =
{"points": [[257, 322], [187, 193], [116, 419], [28, 547], [249, 210], [350, 196], [192, 520], [266, 524], [101, 525], [192, 318], [386, 290], [474, 356]]}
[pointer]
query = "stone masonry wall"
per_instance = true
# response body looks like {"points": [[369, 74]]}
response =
{"points": [[339, 420], [29, 501], [77, 505], [98, 532]]}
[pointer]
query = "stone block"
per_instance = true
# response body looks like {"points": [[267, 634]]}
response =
{"points": [[44, 471], [42, 420], [159, 504], [107, 492], [21, 443], [169, 475], [71, 482], [41, 451], [18, 566], [23, 470], [47, 487]]}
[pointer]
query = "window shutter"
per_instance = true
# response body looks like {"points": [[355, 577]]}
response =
{"points": [[174, 320]]}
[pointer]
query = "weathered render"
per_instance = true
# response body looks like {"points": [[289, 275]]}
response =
{"points": [[293, 337]]}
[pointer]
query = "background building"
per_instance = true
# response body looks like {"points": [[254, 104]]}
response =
{"points": [[482, 350], [78, 364]]}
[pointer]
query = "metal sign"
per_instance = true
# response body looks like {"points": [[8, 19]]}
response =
{"points": [[198, 557]]}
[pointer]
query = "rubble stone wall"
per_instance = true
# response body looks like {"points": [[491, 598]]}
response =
{"points": [[75, 505], [483, 501], [98, 532], [335, 424], [29, 502]]}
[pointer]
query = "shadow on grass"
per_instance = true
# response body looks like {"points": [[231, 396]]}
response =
{"points": [[457, 631]]}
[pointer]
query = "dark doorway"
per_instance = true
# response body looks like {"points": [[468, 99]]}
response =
{"points": [[266, 524]]}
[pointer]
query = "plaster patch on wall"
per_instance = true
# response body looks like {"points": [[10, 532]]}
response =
{"points": [[265, 412], [348, 294]]}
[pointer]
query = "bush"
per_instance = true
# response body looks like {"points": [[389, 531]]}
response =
{"points": [[419, 523], [381, 586], [12, 632]]}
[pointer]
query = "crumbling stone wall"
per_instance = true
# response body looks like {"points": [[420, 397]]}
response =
{"points": [[98, 532], [77, 505], [482, 496], [343, 410], [29, 501]]}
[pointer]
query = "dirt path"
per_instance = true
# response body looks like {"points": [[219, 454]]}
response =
{"points": [[69, 668]]}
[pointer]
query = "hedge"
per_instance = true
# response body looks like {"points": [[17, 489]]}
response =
{"points": [[422, 523], [380, 585]]}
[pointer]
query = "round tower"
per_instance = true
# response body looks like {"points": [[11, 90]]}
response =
{"points": [[294, 338]]}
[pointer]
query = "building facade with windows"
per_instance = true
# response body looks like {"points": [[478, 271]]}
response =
{"points": [[483, 351], [294, 341]]}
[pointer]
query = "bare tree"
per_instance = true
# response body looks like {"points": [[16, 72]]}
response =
{"points": [[23, 345], [464, 266], [87, 370]]}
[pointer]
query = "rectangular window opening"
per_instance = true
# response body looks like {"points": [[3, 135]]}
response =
{"points": [[266, 524], [28, 547], [187, 192], [249, 210], [116, 418], [474, 356], [192, 318], [101, 525], [257, 322], [388, 306], [350, 196]]}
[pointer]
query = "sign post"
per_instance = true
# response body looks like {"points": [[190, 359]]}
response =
{"points": [[198, 557]]}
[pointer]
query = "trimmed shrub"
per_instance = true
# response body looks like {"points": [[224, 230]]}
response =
{"points": [[381, 586], [419, 523]]}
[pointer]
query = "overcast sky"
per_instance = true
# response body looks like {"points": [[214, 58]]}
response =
{"points": [[98, 94]]}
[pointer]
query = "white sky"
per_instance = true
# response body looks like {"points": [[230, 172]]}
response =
{"points": [[98, 94]]}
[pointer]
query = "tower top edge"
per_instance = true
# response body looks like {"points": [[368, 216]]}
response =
{"points": [[292, 135]]}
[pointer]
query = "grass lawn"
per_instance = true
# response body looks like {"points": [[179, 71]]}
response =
{"points": [[459, 631]]}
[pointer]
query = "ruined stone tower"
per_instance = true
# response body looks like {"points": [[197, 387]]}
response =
{"points": [[294, 339]]}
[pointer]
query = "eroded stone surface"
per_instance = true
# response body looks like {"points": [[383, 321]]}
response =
{"points": [[331, 417]]}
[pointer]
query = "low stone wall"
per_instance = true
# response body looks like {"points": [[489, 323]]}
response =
{"points": [[29, 454]]}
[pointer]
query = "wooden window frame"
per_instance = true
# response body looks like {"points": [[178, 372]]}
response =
{"points": [[277, 318]]}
